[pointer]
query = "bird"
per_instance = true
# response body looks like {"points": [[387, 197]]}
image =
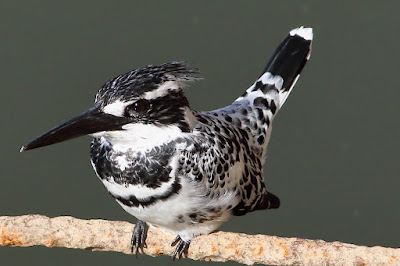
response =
{"points": [[184, 171]]}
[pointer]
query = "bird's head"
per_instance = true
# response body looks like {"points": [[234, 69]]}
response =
{"points": [[143, 105]]}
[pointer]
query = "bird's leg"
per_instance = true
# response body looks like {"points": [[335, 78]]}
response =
{"points": [[139, 236], [181, 248]]}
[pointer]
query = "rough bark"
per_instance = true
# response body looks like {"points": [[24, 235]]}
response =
{"points": [[96, 235]]}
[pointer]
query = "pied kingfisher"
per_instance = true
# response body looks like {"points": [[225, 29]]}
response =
{"points": [[175, 168]]}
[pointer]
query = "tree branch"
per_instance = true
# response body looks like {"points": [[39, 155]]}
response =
{"points": [[69, 232]]}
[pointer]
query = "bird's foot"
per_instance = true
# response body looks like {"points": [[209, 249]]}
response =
{"points": [[181, 248], [139, 237]]}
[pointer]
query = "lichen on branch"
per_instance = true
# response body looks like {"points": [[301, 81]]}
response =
{"points": [[102, 235]]}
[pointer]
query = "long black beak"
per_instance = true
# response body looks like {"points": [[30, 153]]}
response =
{"points": [[91, 121]]}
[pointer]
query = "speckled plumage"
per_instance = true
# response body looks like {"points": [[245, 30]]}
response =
{"points": [[214, 166], [175, 168]]}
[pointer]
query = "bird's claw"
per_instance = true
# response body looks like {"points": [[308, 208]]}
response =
{"points": [[139, 236], [181, 248]]}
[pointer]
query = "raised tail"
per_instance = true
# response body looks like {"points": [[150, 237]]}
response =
{"points": [[283, 69], [257, 107]]}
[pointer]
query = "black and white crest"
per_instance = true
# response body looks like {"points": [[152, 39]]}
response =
{"points": [[136, 83]]}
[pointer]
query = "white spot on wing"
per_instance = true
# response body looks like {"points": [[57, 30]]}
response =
{"points": [[123, 163]]}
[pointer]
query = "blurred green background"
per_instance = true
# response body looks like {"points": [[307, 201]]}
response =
{"points": [[334, 153]]}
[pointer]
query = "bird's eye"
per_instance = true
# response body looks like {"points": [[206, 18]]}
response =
{"points": [[138, 107]]}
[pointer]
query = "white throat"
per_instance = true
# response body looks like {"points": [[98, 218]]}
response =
{"points": [[140, 137]]}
